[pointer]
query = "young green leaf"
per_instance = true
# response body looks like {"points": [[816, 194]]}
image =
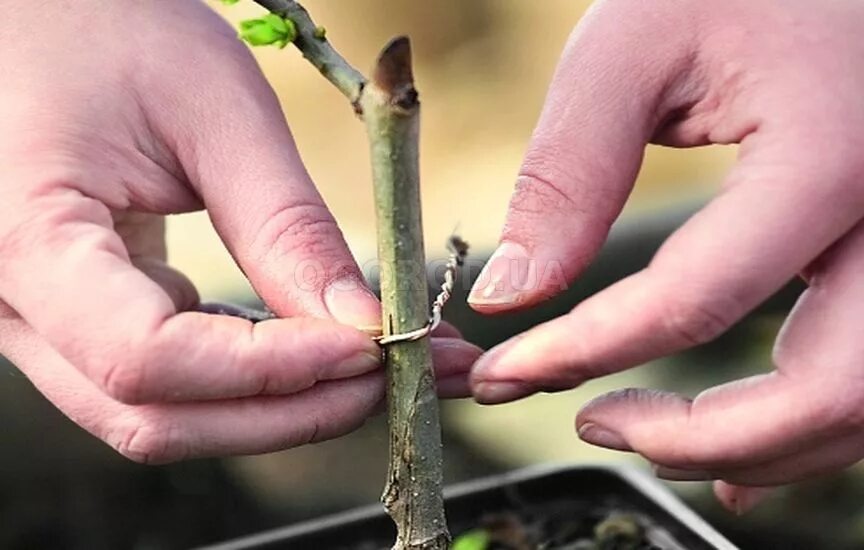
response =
{"points": [[271, 29], [229, 2]]}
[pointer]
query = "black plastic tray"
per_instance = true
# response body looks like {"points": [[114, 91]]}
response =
{"points": [[678, 527]]}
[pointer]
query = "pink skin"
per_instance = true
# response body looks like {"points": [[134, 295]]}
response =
{"points": [[115, 114], [784, 80]]}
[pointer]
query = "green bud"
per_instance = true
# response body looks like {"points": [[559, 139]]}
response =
{"points": [[477, 539], [320, 33], [229, 2], [270, 29]]}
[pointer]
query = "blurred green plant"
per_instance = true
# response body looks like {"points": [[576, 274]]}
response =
{"points": [[478, 539]]}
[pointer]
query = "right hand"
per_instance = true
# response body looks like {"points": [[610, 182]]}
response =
{"points": [[784, 80], [115, 114]]}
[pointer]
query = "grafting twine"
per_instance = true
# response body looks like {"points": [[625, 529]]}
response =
{"points": [[458, 251]]}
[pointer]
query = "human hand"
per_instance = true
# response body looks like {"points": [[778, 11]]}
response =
{"points": [[784, 80], [115, 114]]}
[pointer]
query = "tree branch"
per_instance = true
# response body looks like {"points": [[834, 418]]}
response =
{"points": [[391, 110], [317, 49], [413, 494]]}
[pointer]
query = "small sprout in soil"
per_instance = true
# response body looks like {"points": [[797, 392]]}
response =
{"points": [[619, 532], [555, 529], [478, 539]]}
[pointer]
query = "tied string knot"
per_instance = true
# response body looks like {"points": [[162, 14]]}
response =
{"points": [[458, 251]]}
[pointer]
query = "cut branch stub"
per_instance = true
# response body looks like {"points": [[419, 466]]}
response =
{"points": [[394, 75]]}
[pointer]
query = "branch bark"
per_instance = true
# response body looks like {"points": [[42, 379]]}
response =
{"points": [[413, 494], [390, 108]]}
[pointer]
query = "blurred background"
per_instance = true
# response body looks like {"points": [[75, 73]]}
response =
{"points": [[482, 69]]}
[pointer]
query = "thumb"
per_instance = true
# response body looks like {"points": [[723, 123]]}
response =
{"points": [[585, 153], [239, 155]]}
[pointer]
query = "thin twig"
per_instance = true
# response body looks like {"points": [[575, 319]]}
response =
{"points": [[317, 49]]}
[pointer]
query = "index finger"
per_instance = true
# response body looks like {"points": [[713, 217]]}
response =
{"points": [[68, 274], [617, 79], [747, 243]]}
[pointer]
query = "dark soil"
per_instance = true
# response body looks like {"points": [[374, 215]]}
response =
{"points": [[556, 525]]}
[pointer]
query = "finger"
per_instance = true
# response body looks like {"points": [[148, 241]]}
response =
{"points": [[453, 358], [68, 274], [163, 433], [235, 147], [168, 432], [446, 330], [586, 150], [143, 236], [817, 461], [742, 423], [453, 387], [740, 499], [821, 337], [733, 427], [722, 263], [764, 418], [703, 434], [177, 286]]}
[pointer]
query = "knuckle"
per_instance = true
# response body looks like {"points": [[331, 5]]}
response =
{"points": [[123, 380], [836, 406], [7, 313], [148, 439], [281, 383], [302, 228], [311, 435], [46, 221], [14, 240], [262, 361], [122, 373], [695, 321], [536, 194], [545, 185], [698, 456]]}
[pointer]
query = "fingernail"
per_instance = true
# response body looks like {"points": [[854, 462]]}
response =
{"points": [[493, 393], [504, 277], [485, 369], [357, 364], [677, 474], [602, 437], [747, 498], [350, 302]]}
